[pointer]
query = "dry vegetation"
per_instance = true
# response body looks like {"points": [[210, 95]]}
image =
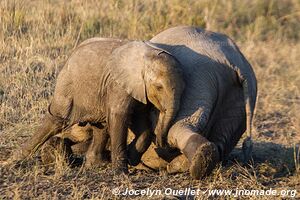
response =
{"points": [[36, 37]]}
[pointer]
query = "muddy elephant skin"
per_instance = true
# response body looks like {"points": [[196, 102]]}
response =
{"points": [[103, 82]]}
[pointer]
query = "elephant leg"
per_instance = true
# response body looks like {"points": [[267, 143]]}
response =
{"points": [[227, 131], [230, 123], [50, 126], [143, 138], [81, 148], [118, 146], [202, 154], [94, 155], [118, 136], [178, 165]]}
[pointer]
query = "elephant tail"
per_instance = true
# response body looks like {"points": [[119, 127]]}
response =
{"points": [[248, 80], [250, 99]]}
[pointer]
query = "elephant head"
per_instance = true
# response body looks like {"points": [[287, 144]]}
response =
{"points": [[149, 74]]}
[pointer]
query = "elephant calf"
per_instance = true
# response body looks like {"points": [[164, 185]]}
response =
{"points": [[219, 99], [103, 83]]}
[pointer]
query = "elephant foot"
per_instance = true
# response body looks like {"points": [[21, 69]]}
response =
{"points": [[95, 161], [178, 165], [202, 154], [90, 164], [204, 160], [120, 167], [134, 157]]}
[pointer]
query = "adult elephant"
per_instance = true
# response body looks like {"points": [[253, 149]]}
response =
{"points": [[103, 82], [219, 98]]}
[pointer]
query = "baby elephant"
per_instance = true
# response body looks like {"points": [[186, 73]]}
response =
{"points": [[103, 82]]}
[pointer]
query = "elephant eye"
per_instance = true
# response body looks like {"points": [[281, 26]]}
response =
{"points": [[158, 87]]}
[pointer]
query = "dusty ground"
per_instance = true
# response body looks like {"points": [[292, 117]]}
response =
{"points": [[36, 37]]}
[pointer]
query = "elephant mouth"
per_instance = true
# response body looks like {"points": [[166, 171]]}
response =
{"points": [[156, 103], [163, 110]]}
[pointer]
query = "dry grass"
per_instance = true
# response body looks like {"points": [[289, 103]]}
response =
{"points": [[36, 37]]}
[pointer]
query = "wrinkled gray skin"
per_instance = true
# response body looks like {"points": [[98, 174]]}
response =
{"points": [[103, 82], [219, 96]]}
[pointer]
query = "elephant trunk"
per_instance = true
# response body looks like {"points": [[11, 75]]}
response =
{"points": [[164, 121]]}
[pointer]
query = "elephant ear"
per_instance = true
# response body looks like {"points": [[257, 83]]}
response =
{"points": [[126, 68], [159, 51], [156, 47]]}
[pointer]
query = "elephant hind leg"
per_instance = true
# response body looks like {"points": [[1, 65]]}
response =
{"points": [[202, 154], [88, 140], [226, 133], [204, 160], [230, 123], [143, 138], [138, 147], [50, 126], [95, 152]]}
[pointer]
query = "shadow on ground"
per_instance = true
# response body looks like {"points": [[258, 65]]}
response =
{"points": [[272, 159]]}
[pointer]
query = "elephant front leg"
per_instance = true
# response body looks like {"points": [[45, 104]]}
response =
{"points": [[143, 137], [118, 135], [202, 154]]}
